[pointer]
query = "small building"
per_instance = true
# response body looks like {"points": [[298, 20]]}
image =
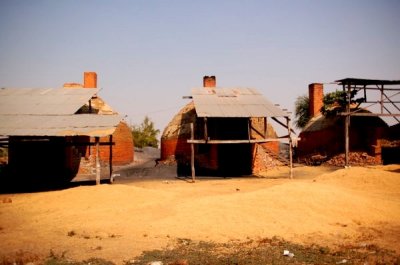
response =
{"points": [[66, 134], [367, 132], [224, 131]]}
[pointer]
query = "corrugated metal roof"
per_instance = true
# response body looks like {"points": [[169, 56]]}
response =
{"points": [[58, 125], [44, 101], [361, 81], [233, 102]]}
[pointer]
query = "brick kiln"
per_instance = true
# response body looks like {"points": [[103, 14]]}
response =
{"points": [[62, 134], [231, 143], [324, 137]]}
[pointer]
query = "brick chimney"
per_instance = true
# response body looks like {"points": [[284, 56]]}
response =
{"points": [[90, 80], [316, 97], [209, 81]]}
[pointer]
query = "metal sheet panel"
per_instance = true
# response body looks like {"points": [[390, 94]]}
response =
{"points": [[233, 102], [360, 81], [44, 101], [58, 125]]}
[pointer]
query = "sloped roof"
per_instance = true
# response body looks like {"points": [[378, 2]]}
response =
{"points": [[58, 125], [51, 112], [233, 103], [360, 81], [44, 101]]}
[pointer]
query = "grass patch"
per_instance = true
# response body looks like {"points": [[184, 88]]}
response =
{"points": [[265, 251]]}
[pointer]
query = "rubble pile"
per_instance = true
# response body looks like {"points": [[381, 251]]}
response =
{"points": [[355, 159]]}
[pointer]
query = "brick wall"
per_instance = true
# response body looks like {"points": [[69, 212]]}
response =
{"points": [[365, 135], [176, 148], [122, 149], [326, 141], [272, 146]]}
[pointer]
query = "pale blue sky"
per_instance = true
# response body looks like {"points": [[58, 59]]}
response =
{"points": [[148, 53]]}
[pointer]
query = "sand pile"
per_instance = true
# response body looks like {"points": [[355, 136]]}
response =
{"points": [[117, 222]]}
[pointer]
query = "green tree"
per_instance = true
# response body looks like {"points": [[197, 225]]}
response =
{"points": [[333, 103], [145, 134], [302, 115]]}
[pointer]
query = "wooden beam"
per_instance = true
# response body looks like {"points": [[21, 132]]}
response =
{"points": [[378, 88], [281, 123], [347, 125], [249, 128], [192, 153], [290, 148], [392, 102], [369, 114], [111, 158], [262, 134], [382, 98], [87, 143], [205, 129], [193, 141], [265, 128]]}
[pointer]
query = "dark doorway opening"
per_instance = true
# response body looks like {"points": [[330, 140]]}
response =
{"points": [[390, 155], [234, 159]]}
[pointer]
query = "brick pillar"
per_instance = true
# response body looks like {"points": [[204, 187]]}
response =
{"points": [[316, 97], [90, 80], [209, 81]]}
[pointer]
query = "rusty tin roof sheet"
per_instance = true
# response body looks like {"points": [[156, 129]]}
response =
{"points": [[234, 103], [58, 125], [44, 101]]}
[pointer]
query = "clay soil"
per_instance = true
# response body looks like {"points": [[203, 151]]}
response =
{"points": [[326, 206]]}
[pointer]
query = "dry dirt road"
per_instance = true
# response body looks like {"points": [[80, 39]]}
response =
{"points": [[117, 222]]}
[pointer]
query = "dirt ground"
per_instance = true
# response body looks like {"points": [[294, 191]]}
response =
{"points": [[325, 206]]}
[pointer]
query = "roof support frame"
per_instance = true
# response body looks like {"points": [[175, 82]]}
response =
{"points": [[353, 84], [265, 139]]}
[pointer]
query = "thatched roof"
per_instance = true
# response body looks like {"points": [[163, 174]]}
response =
{"points": [[180, 123]]}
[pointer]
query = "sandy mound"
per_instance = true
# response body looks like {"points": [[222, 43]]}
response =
{"points": [[117, 222]]}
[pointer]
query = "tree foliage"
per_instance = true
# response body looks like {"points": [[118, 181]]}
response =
{"points": [[145, 134], [302, 115], [333, 103]]}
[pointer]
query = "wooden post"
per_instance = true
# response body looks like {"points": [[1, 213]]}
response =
{"points": [[90, 106], [97, 160], [382, 99], [249, 128], [111, 157], [347, 124], [205, 129], [192, 151], [290, 147], [265, 128]]}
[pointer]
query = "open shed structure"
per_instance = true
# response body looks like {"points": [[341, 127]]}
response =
{"points": [[226, 125], [385, 94], [59, 134]]}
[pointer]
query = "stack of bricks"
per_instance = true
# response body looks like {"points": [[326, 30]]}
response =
{"points": [[262, 160]]}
